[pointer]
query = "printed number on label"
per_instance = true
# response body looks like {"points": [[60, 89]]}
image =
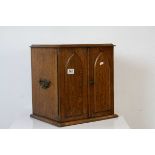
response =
{"points": [[70, 71]]}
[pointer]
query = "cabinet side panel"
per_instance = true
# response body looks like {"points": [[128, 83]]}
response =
{"points": [[44, 67]]}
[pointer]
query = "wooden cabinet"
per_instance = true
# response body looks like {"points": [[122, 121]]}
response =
{"points": [[72, 84]]}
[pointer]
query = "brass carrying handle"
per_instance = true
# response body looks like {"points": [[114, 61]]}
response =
{"points": [[44, 83]]}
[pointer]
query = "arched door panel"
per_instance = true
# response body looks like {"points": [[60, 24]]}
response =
{"points": [[73, 83], [100, 72]]}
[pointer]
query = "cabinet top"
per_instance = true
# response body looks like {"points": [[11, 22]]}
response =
{"points": [[71, 45]]}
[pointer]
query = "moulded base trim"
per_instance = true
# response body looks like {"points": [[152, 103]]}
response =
{"points": [[61, 124]]}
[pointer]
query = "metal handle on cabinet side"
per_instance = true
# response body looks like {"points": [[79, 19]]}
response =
{"points": [[44, 83]]}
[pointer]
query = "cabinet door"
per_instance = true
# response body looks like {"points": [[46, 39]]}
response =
{"points": [[101, 81], [73, 83]]}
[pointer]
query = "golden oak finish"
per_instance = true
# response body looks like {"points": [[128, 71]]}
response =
{"points": [[101, 73], [62, 124], [72, 84], [44, 66], [73, 87], [72, 45]]}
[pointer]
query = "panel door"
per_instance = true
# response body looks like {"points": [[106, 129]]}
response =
{"points": [[73, 83], [101, 81]]}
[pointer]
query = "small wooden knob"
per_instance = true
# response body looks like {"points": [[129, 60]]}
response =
{"points": [[91, 82]]}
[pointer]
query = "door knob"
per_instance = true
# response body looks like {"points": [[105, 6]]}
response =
{"points": [[91, 82]]}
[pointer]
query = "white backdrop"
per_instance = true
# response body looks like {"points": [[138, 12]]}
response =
{"points": [[134, 67]]}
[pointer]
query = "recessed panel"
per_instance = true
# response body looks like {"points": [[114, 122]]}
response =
{"points": [[73, 83]]}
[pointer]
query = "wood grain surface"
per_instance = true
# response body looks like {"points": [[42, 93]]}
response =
{"points": [[81, 78]]}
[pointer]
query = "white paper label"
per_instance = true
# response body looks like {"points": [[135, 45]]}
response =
{"points": [[70, 71]]}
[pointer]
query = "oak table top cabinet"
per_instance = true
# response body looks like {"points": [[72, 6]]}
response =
{"points": [[72, 84]]}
